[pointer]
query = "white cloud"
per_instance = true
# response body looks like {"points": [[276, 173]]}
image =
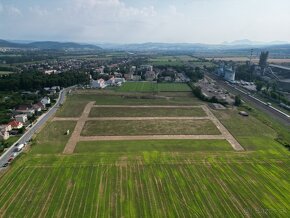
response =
{"points": [[127, 21], [38, 11], [12, 10]]}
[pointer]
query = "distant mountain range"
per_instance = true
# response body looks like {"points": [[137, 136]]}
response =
{"points": [[151, 46], [48, 45], [276, 47], [249, 42]]}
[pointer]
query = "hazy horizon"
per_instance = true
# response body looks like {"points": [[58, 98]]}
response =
{"points": [[128, 21]]}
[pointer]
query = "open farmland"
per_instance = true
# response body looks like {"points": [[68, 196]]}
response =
{"points": [[149, 127], [138, 147], [148, 178], [154, 87], [52, 138], [153, 186], [76, 102], [146, 112]]}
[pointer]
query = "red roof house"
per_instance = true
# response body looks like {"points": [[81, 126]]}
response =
{"points": [[16, 124]]}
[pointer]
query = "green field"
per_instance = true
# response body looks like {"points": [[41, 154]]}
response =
{"points": [[149, 127], [150, 178], [155, 185], [76, 103], [249, 131], [153, 145], [146, 112], [154, 87], [52, 138]]}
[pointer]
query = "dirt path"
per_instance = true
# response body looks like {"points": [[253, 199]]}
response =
{"points": [[130, 118], [227, 135], [71, 144], [148, 137], [145, 106], [148, 118], [65, 118]]}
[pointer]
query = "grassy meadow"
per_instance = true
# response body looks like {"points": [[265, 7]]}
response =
{"points": [[149, 127], [153, 87], [146, 112]]}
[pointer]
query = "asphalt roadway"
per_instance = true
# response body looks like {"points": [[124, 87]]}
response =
{"points": [[40, 122], [271, 111]]}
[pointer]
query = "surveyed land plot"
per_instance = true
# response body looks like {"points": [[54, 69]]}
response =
{"points": [[146, 112], [149, 127], [154, 87], [53, 137]]}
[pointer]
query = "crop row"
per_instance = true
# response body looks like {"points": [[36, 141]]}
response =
{"points": [[151, 190]]}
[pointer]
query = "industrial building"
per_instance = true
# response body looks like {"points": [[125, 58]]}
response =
{"points": [[227, 72]]}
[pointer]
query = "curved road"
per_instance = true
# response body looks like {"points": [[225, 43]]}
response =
{"points": [[40, 122]]}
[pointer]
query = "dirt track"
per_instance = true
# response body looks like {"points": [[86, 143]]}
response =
{"points": [[71, 144], [130, 118], [75, 137], [228, 136], [65, 118], [146, 106]]}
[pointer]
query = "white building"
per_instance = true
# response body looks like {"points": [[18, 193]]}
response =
{"points": [[6, 127], [146, 67], [4, 135], [45, 100], [229, 74], [98, 84], [21, 118]]}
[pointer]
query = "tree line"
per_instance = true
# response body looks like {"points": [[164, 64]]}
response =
{"points": [[31, 81]]}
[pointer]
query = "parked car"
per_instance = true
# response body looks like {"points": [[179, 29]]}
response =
{"points": [[5, 165]]}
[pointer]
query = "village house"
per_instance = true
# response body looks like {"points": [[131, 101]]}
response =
{"points": [[128, 76], [21, 118], [4, 135], [25, 109], [38, 107], [98, 84], [167, 79], [45, 101], [16, 124], [136, 78], [111, 81], [150, 76], [6, 127]]}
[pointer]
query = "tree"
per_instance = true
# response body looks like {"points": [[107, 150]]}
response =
{"points": [[263, 59], [238, 101], [259, 85]]}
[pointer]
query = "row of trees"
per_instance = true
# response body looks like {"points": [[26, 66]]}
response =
{"points": [[31, 81]]}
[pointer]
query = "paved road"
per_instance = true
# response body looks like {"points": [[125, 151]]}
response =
{"points": [[41, 120], [256, 103]]}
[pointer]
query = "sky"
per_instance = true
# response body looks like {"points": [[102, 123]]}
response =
{"points": [[138, 21]]}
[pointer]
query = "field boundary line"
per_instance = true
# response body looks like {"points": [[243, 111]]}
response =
{"points": [[65, 118], [148, 137], [148, 118], [228, 136], [147, 106]]}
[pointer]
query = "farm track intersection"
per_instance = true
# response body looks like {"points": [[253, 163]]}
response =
{"points": [[76, 134]]}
